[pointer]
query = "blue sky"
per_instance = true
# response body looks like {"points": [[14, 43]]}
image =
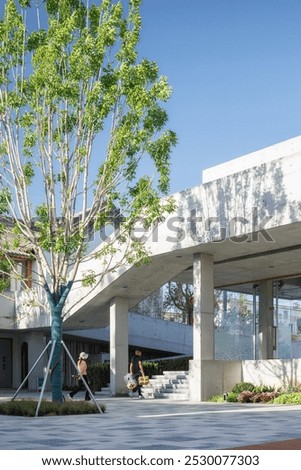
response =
{"points": [[235, 69]]}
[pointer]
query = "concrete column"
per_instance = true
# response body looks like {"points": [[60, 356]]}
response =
{"points": [[118, 344], [265, 333], [203, 322]]}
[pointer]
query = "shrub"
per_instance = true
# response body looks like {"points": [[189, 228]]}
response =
{"points": [[264, 397], [242, 387], [19, 408], [217, 399], [99, 375], [288, 398], [255, 396], [264, 388], [48, 408], [158, 367], [151, 368], [245, 397], [249, 393], [232, 397]]}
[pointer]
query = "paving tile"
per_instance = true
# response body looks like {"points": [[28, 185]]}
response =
{"points": [[159, 424]]}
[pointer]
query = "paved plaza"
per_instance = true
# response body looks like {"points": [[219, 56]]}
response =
{"points": [[133, 424]]}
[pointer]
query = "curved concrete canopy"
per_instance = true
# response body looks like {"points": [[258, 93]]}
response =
{"points": [[247, 214]]}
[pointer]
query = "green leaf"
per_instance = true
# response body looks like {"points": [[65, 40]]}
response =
{"points": [[5, 200]]}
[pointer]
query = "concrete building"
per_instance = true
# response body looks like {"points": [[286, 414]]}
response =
{"points": [[238, 231]]}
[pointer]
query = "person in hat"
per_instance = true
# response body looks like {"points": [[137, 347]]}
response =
{"points": [[82, 367]]}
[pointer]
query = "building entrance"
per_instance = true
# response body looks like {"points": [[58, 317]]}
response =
{"points": [[5, 363]]}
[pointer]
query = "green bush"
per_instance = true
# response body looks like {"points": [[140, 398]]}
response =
{"points": [[265, 388], [19, 408], [232, 397], [243, 387], [260, 394], [158, 367], [99, 376], [217, 399], [48, 408], [288, 398], [151, 368]]}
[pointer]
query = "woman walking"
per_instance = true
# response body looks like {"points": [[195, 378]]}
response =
{"points": [[82, 367]]}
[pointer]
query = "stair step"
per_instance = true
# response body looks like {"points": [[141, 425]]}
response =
{"points": [[172, 385], [175, 375]]}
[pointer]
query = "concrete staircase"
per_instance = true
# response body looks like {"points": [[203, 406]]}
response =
{"points": [[173, 385]]}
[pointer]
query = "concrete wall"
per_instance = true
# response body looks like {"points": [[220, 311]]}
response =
{"points": [[7, 311], [155, 333], [274, 372], [149, 332], [272, 189], [30, 311], [257, 158], [36, 344], [218, 377]]}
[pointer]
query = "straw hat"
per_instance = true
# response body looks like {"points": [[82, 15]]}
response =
{"points": [[84, 355]]}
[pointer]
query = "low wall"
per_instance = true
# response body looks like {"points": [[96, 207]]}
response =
{"points": [[275, 372], [218, 377]]}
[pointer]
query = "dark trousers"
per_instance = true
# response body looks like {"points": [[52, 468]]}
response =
{"points": [[138, 387], [80, 387]]}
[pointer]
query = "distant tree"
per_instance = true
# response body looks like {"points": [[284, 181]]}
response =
{"points": [[239, 306], [231, 307], [79, 117], [5, 268], [228, 307], [179, 297], [152, 305]]}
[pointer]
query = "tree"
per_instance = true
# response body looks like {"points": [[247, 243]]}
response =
{"points": [[180, 297], [232, 307], [80, 114]]}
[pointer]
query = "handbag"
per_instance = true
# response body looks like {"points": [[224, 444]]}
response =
{"points": [[144, 380], [130, 381]]}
